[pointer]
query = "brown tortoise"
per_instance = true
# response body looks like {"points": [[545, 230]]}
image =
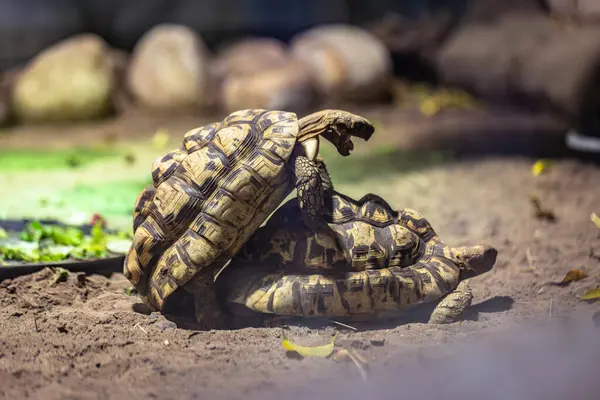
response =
{"points": [[379, 263], [209, 196]]}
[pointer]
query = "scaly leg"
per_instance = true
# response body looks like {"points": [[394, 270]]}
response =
{"points": [[207, 309], [309, 187], [324, 174], [451, 308]]}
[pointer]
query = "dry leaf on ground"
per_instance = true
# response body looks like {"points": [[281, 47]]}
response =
{"points": [[309, 351], [595, 219], [593, 294], [539, 167], [573, 276]]}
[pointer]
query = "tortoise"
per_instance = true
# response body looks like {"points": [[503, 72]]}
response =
{"points": [[211, 194], [386, 262]]}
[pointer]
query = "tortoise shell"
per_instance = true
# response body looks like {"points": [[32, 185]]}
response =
{"points": [[368, 235], [275, 276], [208, 197]]}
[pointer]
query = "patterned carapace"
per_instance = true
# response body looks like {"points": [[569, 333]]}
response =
{"points": [[210, 195], [379, 261]]}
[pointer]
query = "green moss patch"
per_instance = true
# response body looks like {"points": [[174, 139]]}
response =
{"points": [[115, 199], [27, 160]]}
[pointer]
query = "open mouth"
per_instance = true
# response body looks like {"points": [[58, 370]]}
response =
{"points": [[347, 146], [342, 141]]}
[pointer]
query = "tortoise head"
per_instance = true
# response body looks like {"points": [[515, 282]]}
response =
{"points": [[475, 260], [336, 126]]}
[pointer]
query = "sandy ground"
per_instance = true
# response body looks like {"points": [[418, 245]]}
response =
{"points": [[86, 339]]}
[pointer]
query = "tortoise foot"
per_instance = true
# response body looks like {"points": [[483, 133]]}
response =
{"points": [[451, 308]]}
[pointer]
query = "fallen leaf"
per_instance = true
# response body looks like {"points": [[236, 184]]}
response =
{"points": [[429, 107], [60, 275], [593, 294], [539, 167], [573, 276], [309, 351], [130, 291], [595, 219]]}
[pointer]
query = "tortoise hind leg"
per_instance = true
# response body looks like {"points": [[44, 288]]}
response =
{"points": [[201, 300], [452, 307], [310, 193]]}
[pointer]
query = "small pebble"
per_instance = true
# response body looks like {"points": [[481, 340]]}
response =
{"points": [[166, 342], [164, 325]]}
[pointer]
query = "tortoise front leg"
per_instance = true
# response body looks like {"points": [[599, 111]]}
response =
{"points": [[310, 193], [452, 307], [326, 181]]}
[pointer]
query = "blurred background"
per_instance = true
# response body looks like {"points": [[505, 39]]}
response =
{"points": [[83, 79]]}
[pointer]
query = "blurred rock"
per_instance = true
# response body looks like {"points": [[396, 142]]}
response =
{"points": [[348, 62], [534, 63], [71, 80], [568, 7], [286, 87], [261, 73], [584, 10], [412, 36], [169, 70], [122, 99], [588, 9], [7, 80], [4, 108], [250, 56], [489, 11], [413, 43]]}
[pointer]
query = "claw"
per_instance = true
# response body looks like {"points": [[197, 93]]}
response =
{"points": [[311, 148]]}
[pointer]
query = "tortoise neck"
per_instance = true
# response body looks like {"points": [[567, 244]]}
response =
{"points": [[314, 124]]}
